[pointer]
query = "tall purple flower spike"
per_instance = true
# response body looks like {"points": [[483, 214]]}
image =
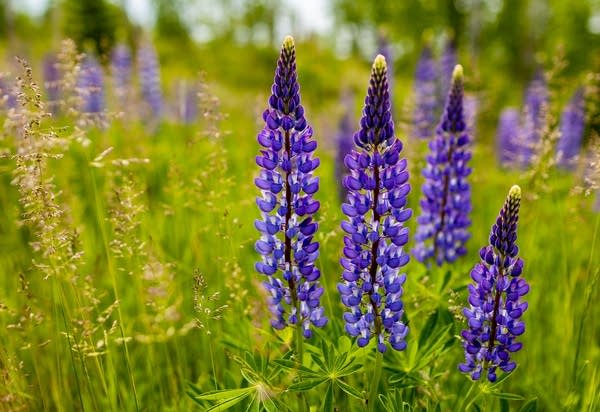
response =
{"points": [[121, 63], [572, 125], [426, 95], [7, 95], [91, 86], [446, 203], [149, 77], [534, 118], [343, 141], [376, 236], [507, 136], [495, 299], [287, 246], [448, 61], [52, 78]]}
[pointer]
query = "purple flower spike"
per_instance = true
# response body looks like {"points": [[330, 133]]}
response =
{"points": [[448, 61], [52, 79], [572, 125], [374, 252], [91, 86], [534, 117], [343, 141], [495, 299], [149, 77], [8, 96], [444, 221], [287, 246], [507, 136], [426, 92], [120, 67]]}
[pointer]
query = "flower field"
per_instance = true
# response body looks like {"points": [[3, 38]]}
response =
{"points": [[284, 228]]}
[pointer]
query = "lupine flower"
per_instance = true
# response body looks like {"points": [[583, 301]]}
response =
{"points": [[425, 91], [444, 221], [374, 253], [572, 124], [52, 78], [187, 102], [343, 141], [534, 116], [149, 77], [120, 68], [507, 136], [90, 86], [7, 94], [495, 299], [448, 61], [287, 248]]}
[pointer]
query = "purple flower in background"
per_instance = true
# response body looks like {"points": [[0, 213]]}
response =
{"points": [[507, 136], [425, 91], [7, 95], [444, 221], [121, 71], [343, 141], [287, 246], [90, 86], [52, 79], [448, 61], [371, 286], [495, 299], [534, 118], [187, 102], [572, 125], [149, 78]]}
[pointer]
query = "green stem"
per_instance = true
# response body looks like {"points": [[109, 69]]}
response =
{"points": [[465, 398], [373, 392], [302, 406]]}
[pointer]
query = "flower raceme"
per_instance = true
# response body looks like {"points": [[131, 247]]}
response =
{"points": [[495, 298], [371, 286], [443, 224], [287, 248]]}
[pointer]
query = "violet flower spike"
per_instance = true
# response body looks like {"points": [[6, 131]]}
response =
{"points": [[343, 141], [287, 246], [495, 299], [149, 77], [534, 118], [507, 136], [425, 92], [121, 71], [90, 86], [376, 236], [572, 125], [52, 79], [446, 203], [448, 60]]}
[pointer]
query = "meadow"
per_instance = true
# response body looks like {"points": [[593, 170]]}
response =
{"points": [[128, 256]]}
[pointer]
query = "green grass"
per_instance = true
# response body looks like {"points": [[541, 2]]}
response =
{"points": [[118, 330]]}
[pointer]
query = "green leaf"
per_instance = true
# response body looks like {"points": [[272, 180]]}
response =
{"points": [[306, 384], [222, 394], [428, 328], [506, 395], [530, 406], [291, 365], [327, 405], [350, 390], [446, 280], [226, 403], [344, 344], [504, 406]]}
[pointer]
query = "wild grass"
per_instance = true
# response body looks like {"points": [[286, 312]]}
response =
{"points": [[126, 271]]}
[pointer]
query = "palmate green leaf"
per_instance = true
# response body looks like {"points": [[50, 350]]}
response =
{"points": [[427, 329], [306, 384], [224, 404], [530, 406]]}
